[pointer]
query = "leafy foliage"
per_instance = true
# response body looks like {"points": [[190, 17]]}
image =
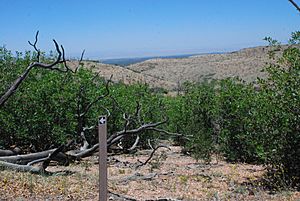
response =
{"points": [[193, 115], [247, 122], [46, 109]]}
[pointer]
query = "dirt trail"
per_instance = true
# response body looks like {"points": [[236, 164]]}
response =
{"points": [[169, 175]]}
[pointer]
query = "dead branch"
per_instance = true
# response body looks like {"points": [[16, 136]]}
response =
{"points": [[138, 112], [85, 142], [25, 159], [168, 133], [137, 177], [96, 75], [32, 158], [35, 47], [152, 154], [295, 5], [118, 197], [119, 135], [83, 110], [135, 143], [126, 121], [52, 156], [149, 144], [52, 66], [88, 107], [79, 63], [85, 153], [15, 151], [113, 139], [20, 165], [20, 168]]}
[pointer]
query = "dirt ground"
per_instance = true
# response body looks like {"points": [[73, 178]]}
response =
{"points": [[168, 176]]}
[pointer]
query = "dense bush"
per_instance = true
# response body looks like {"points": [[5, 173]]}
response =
{"points": [[237, 104], [247, 122], [280, 125], [193, 114], [45, 110]]}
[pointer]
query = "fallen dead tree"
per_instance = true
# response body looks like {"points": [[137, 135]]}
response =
{"points": [[65, 156], [43, 160], [11, 152]]}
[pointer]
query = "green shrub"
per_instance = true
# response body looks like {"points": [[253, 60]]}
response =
{"points": [[281, 124], [193, 114], [45, 110], [237, 104]]}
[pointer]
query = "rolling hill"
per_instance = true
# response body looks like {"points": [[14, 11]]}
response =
{"points": [[169, 72]]}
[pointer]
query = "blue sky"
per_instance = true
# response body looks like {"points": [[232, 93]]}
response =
{"points": [[135, 28]]}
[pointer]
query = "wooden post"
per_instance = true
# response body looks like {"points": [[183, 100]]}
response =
{"points": [[102, 130]]}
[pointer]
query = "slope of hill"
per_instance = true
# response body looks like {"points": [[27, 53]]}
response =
{"points": [[169, 72], [246, 63], [124, 75]]}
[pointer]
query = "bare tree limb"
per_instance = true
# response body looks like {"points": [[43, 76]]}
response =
{"points": [[126, 117], [117, 136], [118, 197], [85, 142], [15, 151], [52, 66], [152, 154], [96, 75], [136, 142], [137, 177], [25, 159], [149, 144], [65, 61], [52, 155], [20, 168], [84, 153], [81, 58], [113, 139], [35, 47], [138, 112], [88, 107], [295, 5], [166, 132]]}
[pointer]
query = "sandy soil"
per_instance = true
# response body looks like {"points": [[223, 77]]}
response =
{"points": [[169, 175]]}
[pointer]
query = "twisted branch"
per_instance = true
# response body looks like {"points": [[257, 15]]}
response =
{"points": [[295, 5]]}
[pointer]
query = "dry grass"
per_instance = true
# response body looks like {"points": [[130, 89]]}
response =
{"points": [[246, 63], [177, 176], [127, 76], [168, 73]]}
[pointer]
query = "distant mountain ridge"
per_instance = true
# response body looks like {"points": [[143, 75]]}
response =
{"points": [[134, 60]]}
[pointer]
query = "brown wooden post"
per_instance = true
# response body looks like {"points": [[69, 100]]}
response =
{"points": [[102, 130]]}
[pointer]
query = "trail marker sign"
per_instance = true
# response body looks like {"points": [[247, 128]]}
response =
{"points": [[102, 131]]}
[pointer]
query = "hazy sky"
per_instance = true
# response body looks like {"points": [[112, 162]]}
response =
{"points": [[134, 28]]}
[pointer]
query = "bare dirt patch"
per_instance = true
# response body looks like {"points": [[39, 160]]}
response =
{"points": [[169, 175]]}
